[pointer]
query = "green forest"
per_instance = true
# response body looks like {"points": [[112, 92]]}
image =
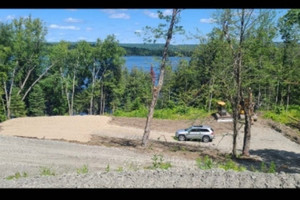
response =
{"points": [[42, 79]]}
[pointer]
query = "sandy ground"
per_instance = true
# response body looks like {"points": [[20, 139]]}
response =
{"points": [[78, 128], [266, 143]]}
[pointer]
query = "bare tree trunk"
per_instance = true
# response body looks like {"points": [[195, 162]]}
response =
{"points": [[156, 90], [72, 96], [101, 100], [259, 95], [36, 81], [68, 98], [9, 93], [248, 121], [25, 80], [92, 96], [210, 95], [277, 93], [288, 97]]}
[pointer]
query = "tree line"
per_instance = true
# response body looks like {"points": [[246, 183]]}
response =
{"points": [[66, 79]]}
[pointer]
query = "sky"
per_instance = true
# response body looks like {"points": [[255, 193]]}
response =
{"points": [[89, 24]]}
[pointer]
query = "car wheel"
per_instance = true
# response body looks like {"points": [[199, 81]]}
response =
{"points": [[181, 138], [205, 139]]}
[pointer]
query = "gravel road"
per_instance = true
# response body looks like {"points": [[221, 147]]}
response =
{"points": [[126, 166]]}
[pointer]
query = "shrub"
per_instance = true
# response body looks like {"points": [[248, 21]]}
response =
{"points": [[44, 171], [272, 168], [17, 176], [229, 164], [205, 163], [83, 170], [158, 162]]}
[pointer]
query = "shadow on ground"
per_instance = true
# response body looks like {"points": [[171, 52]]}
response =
{"points": [[286, 161]]}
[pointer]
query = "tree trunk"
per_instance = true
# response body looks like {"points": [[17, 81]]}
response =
{"points": [[72, 97], [67, 95], [248, 121], [9, 93], [277, 93], [36, 81], [101, 100], [288, 97], [156, 90], [92, 96]]}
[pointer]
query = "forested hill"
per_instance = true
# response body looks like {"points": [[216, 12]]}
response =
{"points": [[157, 49], [140, 49]]}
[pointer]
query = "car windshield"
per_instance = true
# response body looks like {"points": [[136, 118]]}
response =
{"points": [[187, 129]]}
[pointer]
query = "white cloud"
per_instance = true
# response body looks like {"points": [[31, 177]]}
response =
{"points": [[73, 20], [155, 15], [82, 38], [10, 17], [207, 20], [88, 29], [119, 16], [55, 26], [115, 14], [109, 11], [151, 14], [71, 9], [167, 12]]}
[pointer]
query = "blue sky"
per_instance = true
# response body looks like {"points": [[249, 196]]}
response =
{"points": [[90, 24]]}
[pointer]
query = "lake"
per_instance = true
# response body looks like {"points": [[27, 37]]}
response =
{"points": [[144, 62]]}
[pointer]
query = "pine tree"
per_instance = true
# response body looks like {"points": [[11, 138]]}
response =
{"points": [[37, 102], [17, 105]]}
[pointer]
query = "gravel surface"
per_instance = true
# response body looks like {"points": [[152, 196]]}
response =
{"points": [[172, 178], [126, 165]]}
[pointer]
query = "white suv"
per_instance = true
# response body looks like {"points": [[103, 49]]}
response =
{"points": [[203, 133]]}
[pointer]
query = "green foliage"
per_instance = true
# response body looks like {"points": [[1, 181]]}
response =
{"points": [[272, 168], [230, 165], [18, 108], [107, 169], [120, 169], [83, 170], [279, 114], [175, 113], [45, 171], [36, 101], [204, 163], [158, 162], [17, 175]]}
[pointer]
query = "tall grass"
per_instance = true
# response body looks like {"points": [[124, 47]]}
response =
{"points": [[179, 113], [279, 114]]}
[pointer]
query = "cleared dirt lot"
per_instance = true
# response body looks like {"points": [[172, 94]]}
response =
{"points": [[115, 142]]}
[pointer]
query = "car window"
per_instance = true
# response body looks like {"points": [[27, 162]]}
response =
{"points": [[204, 130], [195, 130]]}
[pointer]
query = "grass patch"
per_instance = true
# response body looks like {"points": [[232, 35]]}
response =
{"points": [[120, 169], [44, 171], [231, 165], [83, 170], [17, 176], [205, 163], [158, 163], [281, 115], [176, 113], [107, 169]]}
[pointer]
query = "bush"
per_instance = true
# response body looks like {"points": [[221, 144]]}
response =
{"points": [[17, 176], [232, 165], [178, 113], [205, 163], [83, 170], [44, 171], [158, 162]]}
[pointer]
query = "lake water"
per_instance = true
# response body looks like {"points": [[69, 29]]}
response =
{"points": [[144, 62]]}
